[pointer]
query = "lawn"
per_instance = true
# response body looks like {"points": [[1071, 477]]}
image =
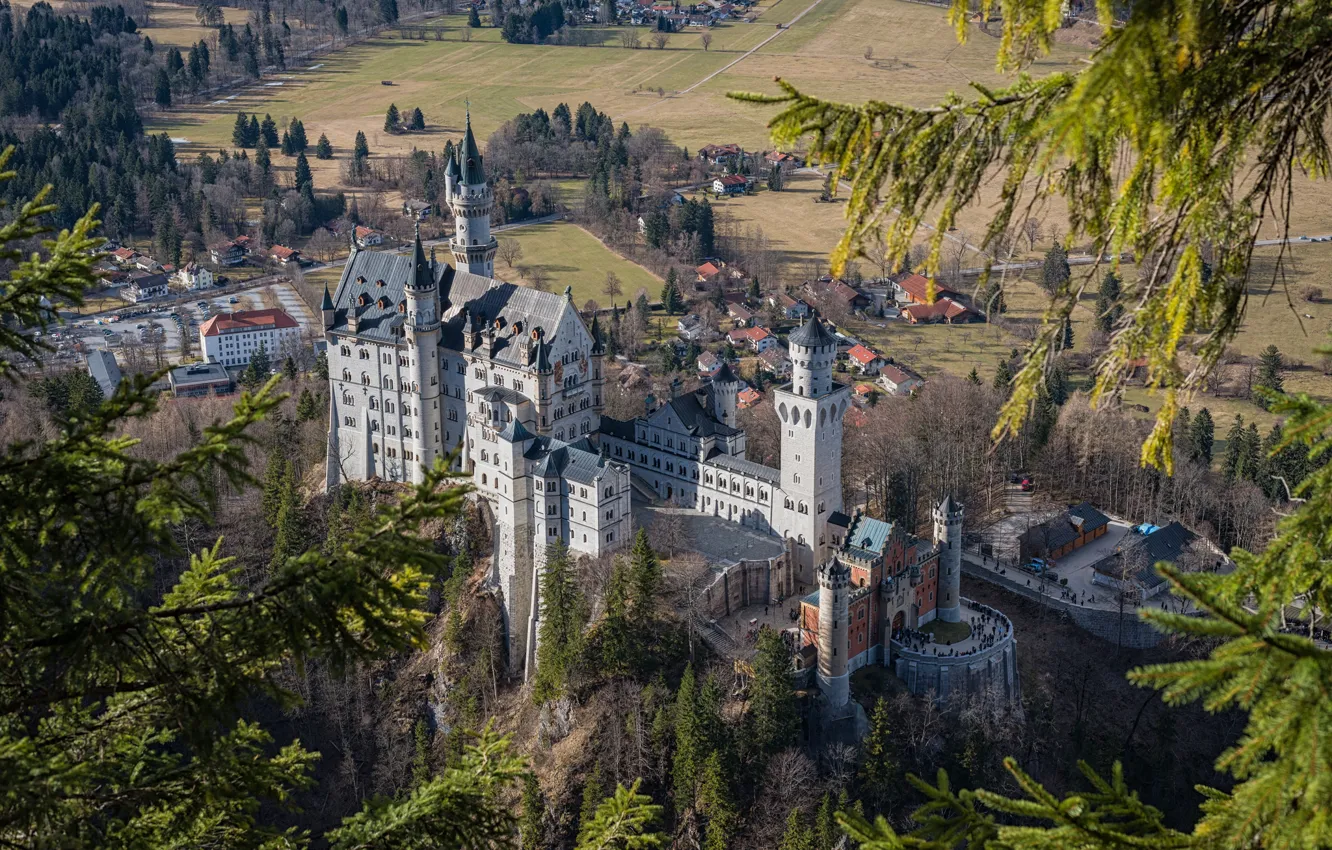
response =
{"points": [[174, 25], [571, 256]]}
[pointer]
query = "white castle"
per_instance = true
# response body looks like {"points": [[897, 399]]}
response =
{"points": [[425, 359]]}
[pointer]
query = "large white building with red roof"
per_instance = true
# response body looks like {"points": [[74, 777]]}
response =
{"points": [[231, 339]]}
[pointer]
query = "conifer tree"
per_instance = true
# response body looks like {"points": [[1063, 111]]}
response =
{"points": [[307, 409], [273, 493], [1003, 377], [1270, 364], [303, 177], [1055, 272], [323, 149], [973, 377], [418, 119], [671, 299], [879, 769], [797, 836], [690, 741], [646, 577], [825, 822], [1108, 308], [623, 821], [615, 632], [162, 91], [287, 149], [563, 617], [716, 804], [360, 148], [421, 754], [774, 719], [268, 131], [392, 119], [262, 158], [593, 794], [1202, 433], [299, 142], [531, 826], [240, 133], [1253, 457], [254, 133], [473, 18], [1232, 462], [289, 528]]}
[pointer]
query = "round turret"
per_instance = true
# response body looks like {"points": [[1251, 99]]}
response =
{"points": [[834, 588], [813, 351], [948, 536]]}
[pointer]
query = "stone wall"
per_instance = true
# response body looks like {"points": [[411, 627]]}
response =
{"points": [[994, 667], [1124, 630], [739, 584]]}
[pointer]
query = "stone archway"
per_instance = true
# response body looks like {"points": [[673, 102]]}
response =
{"points": [[899, 620]]}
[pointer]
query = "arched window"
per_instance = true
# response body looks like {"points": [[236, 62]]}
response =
{"points": [[365, 379], [374, 403], [346, 375]]}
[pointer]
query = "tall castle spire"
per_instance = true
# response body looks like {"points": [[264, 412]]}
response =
{"points": [[471, 200]]}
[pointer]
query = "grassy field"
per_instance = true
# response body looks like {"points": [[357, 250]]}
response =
{"points": [[566, 253], [570, 256]]}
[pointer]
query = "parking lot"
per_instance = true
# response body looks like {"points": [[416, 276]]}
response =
{"points": [[148, 326]]}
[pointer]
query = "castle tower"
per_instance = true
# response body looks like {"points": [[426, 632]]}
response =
{"points": [[811, 408], [727, 390], [471, 200], [834, 590], [423, 334], [948, 535]]}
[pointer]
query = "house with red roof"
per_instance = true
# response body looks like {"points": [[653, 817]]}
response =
{"points": [[284, 255], [367, 237], [707, 271], [721, 155], [945, 310], [730, 184], [914, 289], [125, 256], [898, 381], [740, 314], [749, 397], [869, 362], [757, 339], [231, 339]]}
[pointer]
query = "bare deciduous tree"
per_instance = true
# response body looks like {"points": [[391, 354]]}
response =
{"points": [[705, 40], [660, 39], [612, 288], [509, 251]]}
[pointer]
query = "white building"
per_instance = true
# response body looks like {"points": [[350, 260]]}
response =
{"points": [[425, 359], [195, 276], [145, 286], [690, 452], [231, 339]]}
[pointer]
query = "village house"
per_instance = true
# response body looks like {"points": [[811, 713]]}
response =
{"points": [[898, 381], [284, 255], [1056, 537], [199, 379], [366, 237], [740, 314], [707, 270], [145, 286], [709, 364], [228, 253], [416, 208], [757, 339], [748, 397], [862, 393], [790, 308], [869, 362], [147, 263], [692, 328], [730, 184], [914, 289], [945, 310], [125, 256], [776, 360], [779, 159], [839, 291], [1132, 566], [195, 276], [724, 156]]}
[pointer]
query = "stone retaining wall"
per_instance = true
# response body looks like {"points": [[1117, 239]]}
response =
{"points": [[1125, 630], [740, 584], [948, 676]]}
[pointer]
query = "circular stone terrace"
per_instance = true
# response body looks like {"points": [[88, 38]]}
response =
{"points": [[981, 630]]}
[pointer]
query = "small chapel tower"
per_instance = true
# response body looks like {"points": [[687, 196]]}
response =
{"points": [[471, 201], [834, 611]]}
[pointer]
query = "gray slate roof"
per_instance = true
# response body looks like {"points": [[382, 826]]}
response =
{"points": [[697, 418], [811, 334], [104, 370], [576, 461], [746, 467], [463, 296]]}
